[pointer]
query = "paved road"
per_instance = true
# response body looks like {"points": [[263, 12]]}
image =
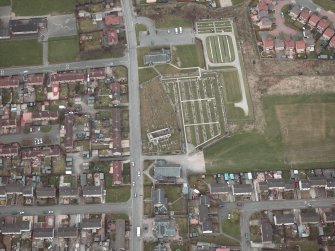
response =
{"points": [[69, 209], [135, 126], [65, 66]]}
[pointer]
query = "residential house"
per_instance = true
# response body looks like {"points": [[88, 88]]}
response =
{"points": [[285, 219], [160, 201], [263, 14], [9, 82], [329, 217], [204, 220], [120, 243], [265, 24], [300, 46], [313, 20], [67, 232], [117, 172], [45, 192], [68, 192], [309, 218], [97, 73], [68, 124], [304, 185], [10, 150], [90, 224], [157, 57], [92, 192], [17, 228], [328, 34], [294, 12], [44, 115], [219, 188], [330, 184], [310, 44], [289, 46], [113, 20], [332, 43], [67, 77], [47, 233], [242, 189], [304, 16], [322, 25], [268, 45], [267, 231], [163, 228], [8, 126], [110, 37], [317, 181], [263, 186], [14, 189], [279, 45], [34, 79], [28, 154], [164, 171], [276, 184], [262, 6]]}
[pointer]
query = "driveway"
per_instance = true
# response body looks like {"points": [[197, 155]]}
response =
{"points": [[61, 26], [280, 21]]}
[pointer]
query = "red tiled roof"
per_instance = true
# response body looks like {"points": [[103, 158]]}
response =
{"points": [[36, 79], [68, 77], [314, 19], [117, 172], [7, 122], [116, 87], [112, 37], [304, 14], [55, 89], [113, 20], [31, 154], [9, 150], [332, 42], [97, 73], [268, 43], [322, 24], [9, 82], [300, 45], [328, 33], [44, 115], [262, 6], [289, 44]]}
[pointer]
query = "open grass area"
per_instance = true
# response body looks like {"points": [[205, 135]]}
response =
{"points": [[221, 240], [237, 2], [299, 132], [146, 74], [27, 52], [305, 245], [326, 4], [42, 7], [182, 226], [63, 49], [170, 21], [4, 2], [189, 55], [231, 228], [118, 194], [138, 29]]}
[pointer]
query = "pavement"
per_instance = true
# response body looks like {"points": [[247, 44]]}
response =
{"points": [[62, 25]]}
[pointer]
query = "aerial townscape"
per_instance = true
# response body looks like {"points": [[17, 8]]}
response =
{"points": [[167, 125]]}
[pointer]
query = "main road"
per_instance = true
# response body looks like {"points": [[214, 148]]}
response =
{"points": [[135, 127]]}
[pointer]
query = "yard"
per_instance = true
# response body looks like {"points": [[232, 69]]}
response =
{"points": [[118, 194], [42, 7], [231, 228], [58, 165], [170, 21], [63, 49], [27, 52], [326, 4], [189, 55], [182, 227], [299, 132]]}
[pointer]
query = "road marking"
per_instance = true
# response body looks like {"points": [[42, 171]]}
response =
{"points": [[220, 49]]}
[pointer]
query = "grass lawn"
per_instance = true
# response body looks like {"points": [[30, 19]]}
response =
{"points": [[120, 72], [184, 247], [167, 69], [221, 240], [173, 192], [326, 4], [146, 74], [63, 49], [171, 21], [236, 2], [299, 132], [139, 28], [42, 7], [147, 191], [4, 2], [118, 194], [190, 55], [305, 245], [231, 228], [182, 226], [58, 165], [27, 52], [232, 86]]}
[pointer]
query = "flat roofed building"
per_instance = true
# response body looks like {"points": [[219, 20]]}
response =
{"points": [[157, 57]]}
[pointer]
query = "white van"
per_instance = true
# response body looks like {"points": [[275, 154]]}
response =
{"points": [[180, 30], [176, 31]]}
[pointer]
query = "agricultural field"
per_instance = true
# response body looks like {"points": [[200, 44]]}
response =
{"points": [[220, 49], [299, 133], [200, 103], [157, 113], [42, 7]]}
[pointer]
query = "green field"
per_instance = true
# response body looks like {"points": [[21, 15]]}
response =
{"points": [[190, 55], [326, 4], [300, 131], [220, 49], [138, 29], [4, 2], [20, 52], [118, 194], [171, 21], [63, 49], [42, 7], [145, 74]]}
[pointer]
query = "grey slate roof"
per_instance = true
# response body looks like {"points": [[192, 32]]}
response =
{"points": [[284, 219], [217, 188], [263, 186], [43, 233], [310, 217], [67, 232], [15, 228], [242, 189], [68, 192], [330, 217], [94, 223], [92, 190], [267, 231], [46, 192], [168, 171], [276, 183], [160, 56], [330, 183], [159, 198], [317, 181]]}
